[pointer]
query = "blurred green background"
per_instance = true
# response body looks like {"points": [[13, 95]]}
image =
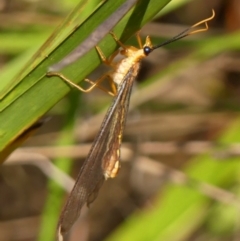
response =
{"points": [[180, 157]]}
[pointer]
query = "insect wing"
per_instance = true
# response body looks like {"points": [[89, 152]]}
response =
{"points": [[106, 145]]}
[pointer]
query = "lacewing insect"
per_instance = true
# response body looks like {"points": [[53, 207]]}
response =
{"points": [[103, 160]]}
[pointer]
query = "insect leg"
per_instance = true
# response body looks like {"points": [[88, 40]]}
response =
{"points": [[93, 84], [139, 40], [118, 41], [61, 76], [113, 91], [107, 61]]}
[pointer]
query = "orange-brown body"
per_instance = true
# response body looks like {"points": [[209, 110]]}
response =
{"points": [[133, 56]]}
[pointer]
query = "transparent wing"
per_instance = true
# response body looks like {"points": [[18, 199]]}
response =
{"points": [[105, 146]]}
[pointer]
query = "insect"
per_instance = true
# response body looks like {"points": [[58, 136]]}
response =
{"points": [[103, 160]]}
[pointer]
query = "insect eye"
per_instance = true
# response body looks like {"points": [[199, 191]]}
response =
{"points": [[147, 50]]}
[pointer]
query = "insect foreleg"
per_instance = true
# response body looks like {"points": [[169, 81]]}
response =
{"points": [[139, 40], [118, 41], [107, 61]]}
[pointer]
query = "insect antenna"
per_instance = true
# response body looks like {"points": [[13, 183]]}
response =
{"points": [[187, 32]]}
